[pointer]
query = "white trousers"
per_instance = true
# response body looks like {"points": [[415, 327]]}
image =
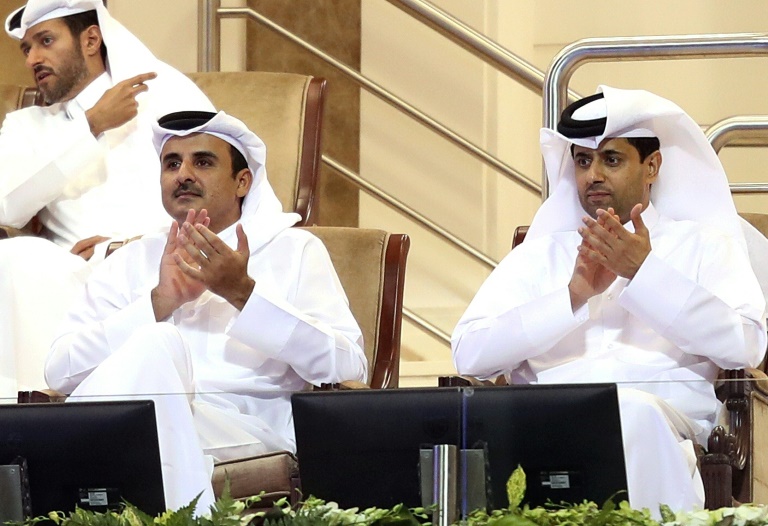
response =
{"points": [[155, 364], [38, 283], [659, 454]]}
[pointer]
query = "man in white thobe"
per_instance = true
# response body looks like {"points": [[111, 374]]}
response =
{"points": [[634, 271], [220, 319], [84, 165]]}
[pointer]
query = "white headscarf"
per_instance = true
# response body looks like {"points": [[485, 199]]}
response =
{"points": [[262, 214], [691, 185], [127, 56]]}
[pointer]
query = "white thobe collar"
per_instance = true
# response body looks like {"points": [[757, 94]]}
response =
{"points": [[87, 99], [650, 217]]}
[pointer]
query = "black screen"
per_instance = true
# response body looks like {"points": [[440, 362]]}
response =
{"points": [[87, 454], [361, 448]]}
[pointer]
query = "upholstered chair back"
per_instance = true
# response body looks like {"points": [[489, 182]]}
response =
{"points": [[371, 267]]}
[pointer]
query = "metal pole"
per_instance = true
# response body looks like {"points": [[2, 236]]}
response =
{"points": [[748, 130], [444, 484], [431, 328], [208, 39]]}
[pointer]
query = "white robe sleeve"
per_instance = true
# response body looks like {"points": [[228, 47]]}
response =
{"points": [[314, 331], [720, 315], [106, 315], [512, 318], [41, 162]]}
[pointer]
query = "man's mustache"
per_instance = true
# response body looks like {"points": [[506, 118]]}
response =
{"points": [[42, 69], [188, 188], [598, 188]]}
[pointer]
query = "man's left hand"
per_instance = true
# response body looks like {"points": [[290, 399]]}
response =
{"points": [[613, 246], [85, 247], [223, 270]]}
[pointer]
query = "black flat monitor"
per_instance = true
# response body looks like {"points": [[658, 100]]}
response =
{"points": [[362, 448], [93, 455]]}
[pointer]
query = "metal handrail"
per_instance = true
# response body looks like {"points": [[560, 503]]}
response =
{"points": [[428, 326], [744, 130], [478, 44], [419, 218], [206, 64], [637, 48]]}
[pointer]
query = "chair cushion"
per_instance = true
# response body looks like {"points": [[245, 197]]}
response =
{"points": [[276, 474]]}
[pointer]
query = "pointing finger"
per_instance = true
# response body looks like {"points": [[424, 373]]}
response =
{"points": [[140, 79]]}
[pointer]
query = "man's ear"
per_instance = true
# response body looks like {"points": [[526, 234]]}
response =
{"points": [[654, 164], [244, 180], [90, 41]]}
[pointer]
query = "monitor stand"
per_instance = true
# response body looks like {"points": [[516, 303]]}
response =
{"points": [[14, 492]]}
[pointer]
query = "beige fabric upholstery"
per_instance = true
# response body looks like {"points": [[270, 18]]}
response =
{"points": [[277, 474], [10, 98], [275, 106], [13, 98], [361, 276], [371, 267]]}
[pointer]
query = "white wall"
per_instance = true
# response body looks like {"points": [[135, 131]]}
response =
{"points": [[169, 29]]}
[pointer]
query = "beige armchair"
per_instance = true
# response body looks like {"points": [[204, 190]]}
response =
{"points": [[371, 267]]}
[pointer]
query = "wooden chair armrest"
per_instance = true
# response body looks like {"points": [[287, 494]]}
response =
{"points": [[760, 380], [42, 396], [462, 381], [343, 386]]}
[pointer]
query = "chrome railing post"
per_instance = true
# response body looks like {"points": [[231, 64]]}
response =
{"points": [[208, 35]]}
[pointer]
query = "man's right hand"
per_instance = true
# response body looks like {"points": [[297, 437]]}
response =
{"points": [[118, 104], [175, 288], [590, 278]]}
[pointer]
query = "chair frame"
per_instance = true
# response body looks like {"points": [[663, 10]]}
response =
{"points": [[309, 172]]}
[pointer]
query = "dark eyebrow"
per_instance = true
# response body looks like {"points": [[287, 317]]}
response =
{"points": [[172, 156], [202, 154], [205, 153], [612, 152], [37, 36]]}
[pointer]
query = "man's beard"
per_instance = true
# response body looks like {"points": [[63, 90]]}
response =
{"points": [[72, 71]]}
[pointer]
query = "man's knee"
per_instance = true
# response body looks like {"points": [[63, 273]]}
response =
{"points": [[156, 343]]}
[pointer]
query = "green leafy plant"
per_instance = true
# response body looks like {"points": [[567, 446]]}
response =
{"points": [[316, 512]]}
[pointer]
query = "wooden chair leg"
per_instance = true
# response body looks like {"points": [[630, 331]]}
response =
{"points": [[717, 471]]}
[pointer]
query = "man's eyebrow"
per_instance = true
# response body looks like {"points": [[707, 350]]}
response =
{"points": [[171, 156], [202, 154], [205, 153], [611, 152], [36, 36]]}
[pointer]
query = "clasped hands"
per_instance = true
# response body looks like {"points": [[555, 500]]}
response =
{"points": [[607, 250], [195, 260]]}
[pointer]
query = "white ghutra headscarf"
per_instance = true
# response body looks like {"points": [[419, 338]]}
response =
{"points": [[262, 214], [692, 184], [127, 55]]}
